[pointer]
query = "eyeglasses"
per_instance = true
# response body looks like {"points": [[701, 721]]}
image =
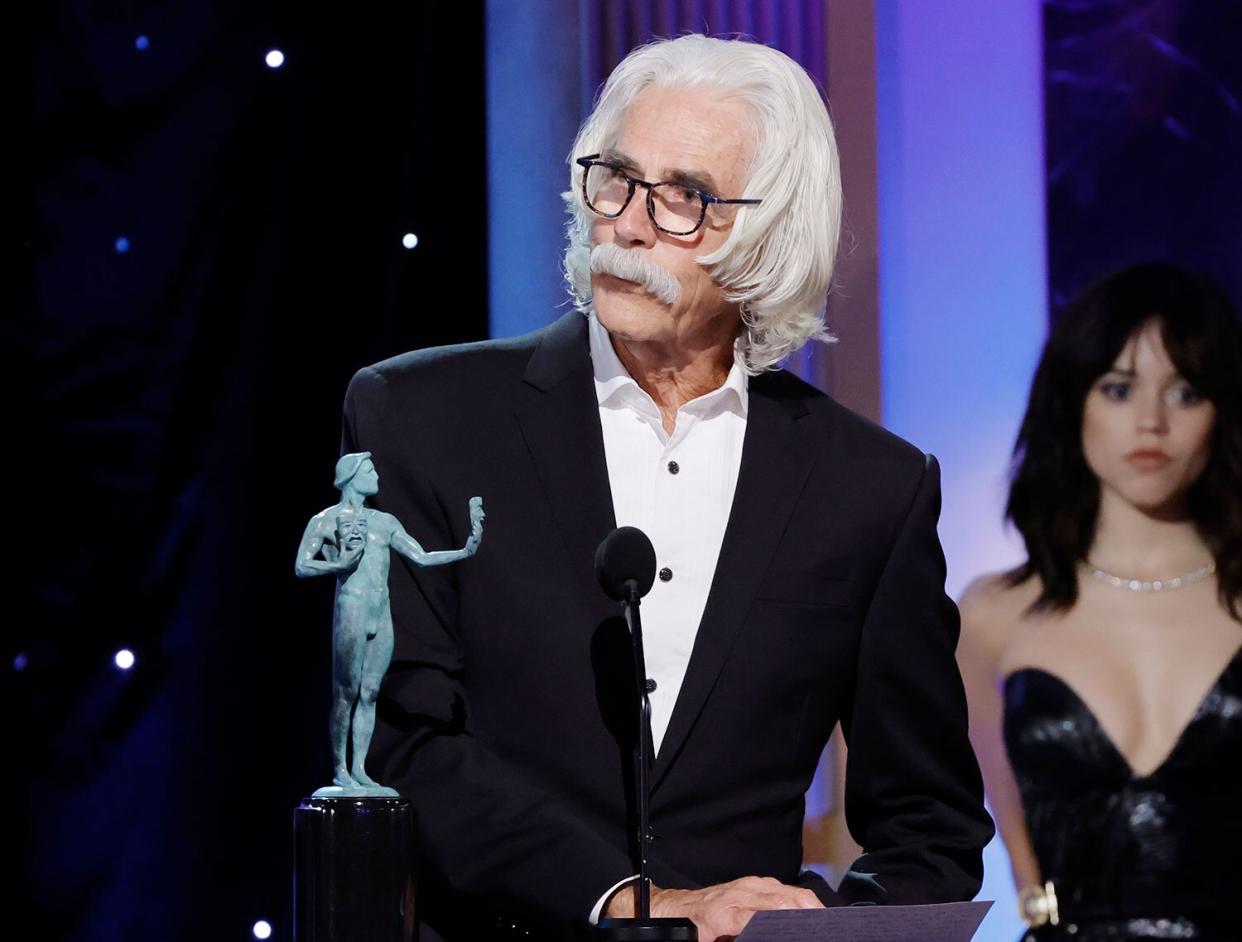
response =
{"points": [[676, 208]]}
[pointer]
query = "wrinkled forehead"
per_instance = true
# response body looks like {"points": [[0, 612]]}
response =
{"points": [[697, 135]]}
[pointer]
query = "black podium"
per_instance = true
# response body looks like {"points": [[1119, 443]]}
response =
{"points": [[354, 870]]}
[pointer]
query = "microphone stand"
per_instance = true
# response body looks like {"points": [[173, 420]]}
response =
{"points": [[643, 928], [635, 622]]}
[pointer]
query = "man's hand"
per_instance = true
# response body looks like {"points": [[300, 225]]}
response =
{"points": [[720, 912]]}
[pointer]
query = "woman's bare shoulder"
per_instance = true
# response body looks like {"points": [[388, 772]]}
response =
{"points": [[997, 594], [993, 606]]}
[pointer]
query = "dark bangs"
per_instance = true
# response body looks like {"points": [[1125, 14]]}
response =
{"points": [[1054, 497]]}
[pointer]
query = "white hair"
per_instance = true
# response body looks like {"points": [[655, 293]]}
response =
{"points": [[777, 261]]}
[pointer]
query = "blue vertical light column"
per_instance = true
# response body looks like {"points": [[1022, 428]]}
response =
{"points": [[533, 110], [962, 268]]}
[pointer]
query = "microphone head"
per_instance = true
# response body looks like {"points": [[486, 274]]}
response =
{"points": [[625, 555]]}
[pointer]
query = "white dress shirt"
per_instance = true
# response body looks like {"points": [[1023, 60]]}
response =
{"points": [[683, 511], [678, 489]]}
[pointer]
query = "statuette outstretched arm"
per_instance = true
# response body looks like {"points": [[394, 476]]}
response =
{"points": [[410, 548]]}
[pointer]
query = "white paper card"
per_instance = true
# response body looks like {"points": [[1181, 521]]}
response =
{"points": [[941, 922]]}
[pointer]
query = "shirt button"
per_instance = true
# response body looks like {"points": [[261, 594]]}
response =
{"points": [[651, 685], [673, 467], [666, 574]]}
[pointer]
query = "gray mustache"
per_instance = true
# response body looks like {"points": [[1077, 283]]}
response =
{"points": [[633, 266]]}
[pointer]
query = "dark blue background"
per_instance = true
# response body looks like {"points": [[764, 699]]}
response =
{"points": [[174, 414], [1143, 121]]}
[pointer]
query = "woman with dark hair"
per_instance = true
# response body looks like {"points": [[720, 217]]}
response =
{"points": [[1105, 673]]}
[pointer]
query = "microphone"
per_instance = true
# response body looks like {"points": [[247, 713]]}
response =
{"points": [[625, 562], [625, 565]]}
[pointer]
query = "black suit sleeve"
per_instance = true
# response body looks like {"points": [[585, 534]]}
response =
{"points": [[913, 792], [492, 834]]}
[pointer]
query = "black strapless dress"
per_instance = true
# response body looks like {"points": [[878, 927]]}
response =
{"points": [[1132, 857]]}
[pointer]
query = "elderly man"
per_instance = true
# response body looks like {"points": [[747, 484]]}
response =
{"points": [[800, 577]]}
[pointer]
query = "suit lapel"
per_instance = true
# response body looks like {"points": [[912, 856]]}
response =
{"points": [[777, 455], [560, 425]]}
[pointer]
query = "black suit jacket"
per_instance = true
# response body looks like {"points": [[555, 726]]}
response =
{"points": [[506, 716]]}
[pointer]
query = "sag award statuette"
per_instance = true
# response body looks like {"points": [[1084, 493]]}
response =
{"points": [[355, 876]]}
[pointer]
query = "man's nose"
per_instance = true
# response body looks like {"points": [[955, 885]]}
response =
{"points": [[634, 227]]}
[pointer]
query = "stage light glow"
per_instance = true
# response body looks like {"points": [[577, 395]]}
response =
{"points": [[19, 661], [142, 43], [124, 659], [274, 58], [409, 240], [262, 929], [121, 245]]}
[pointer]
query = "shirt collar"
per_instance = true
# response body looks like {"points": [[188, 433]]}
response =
{"points": [[613, 381]]}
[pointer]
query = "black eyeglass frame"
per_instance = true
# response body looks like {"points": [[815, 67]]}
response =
{"points": [[586, 163]]}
